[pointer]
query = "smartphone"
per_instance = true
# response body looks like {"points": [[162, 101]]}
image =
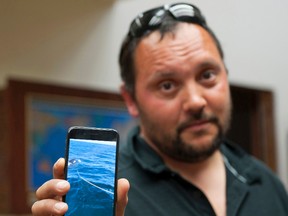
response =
{"points": [[91, 170]]}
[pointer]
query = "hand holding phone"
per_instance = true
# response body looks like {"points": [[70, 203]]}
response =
{"points": [[90, 168]]}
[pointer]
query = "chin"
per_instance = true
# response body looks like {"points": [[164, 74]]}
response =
{"points": [[202, 141]]}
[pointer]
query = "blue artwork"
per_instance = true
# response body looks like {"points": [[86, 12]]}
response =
{"points": [[48, 120]]}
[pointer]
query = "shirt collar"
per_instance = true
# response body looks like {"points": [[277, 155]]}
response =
{"points": [[146, 157], [240, 164]]}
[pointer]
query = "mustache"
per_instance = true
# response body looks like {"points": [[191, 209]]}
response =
{"points": [[198, 118]]}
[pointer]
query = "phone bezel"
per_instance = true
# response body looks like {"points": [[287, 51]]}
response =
{"points": [[93, 133]]}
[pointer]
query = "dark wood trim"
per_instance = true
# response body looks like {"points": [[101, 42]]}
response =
{"points": [[260, 114], [266, 123]]}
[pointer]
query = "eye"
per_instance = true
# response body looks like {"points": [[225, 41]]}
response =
{"points": [[167, 87], [208, 76]]}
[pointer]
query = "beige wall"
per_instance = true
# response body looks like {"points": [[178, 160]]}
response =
{"points": [[74, 42]]}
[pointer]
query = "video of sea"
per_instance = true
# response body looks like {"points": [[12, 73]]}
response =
{"points": [[91, 175]]}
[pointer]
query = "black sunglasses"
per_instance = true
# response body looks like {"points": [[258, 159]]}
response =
{"points": [[152, 19]]}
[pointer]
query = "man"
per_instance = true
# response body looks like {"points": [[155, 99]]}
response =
{"points": [[178, 161]]}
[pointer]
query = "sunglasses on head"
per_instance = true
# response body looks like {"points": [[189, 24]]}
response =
{"points": [[152, 19]]}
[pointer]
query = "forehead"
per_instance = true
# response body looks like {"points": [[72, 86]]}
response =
{"points": [[188, 41]]}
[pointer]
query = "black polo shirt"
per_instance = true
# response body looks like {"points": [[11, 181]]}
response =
{"points": [[252, 189]]}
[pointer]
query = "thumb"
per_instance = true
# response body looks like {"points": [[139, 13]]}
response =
{"points": [[122, 196]]}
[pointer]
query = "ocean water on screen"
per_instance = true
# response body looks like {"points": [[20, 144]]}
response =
{"points": [[91, 173]]}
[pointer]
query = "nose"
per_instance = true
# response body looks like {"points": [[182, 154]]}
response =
{"points": [[194, 100]]}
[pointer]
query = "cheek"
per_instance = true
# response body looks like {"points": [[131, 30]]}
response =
{"points": [[220, 101], [162, 111]]}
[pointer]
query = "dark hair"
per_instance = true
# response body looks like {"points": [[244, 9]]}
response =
{"points": [[126, 57]]}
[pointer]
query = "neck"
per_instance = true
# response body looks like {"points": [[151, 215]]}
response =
{"points": [[196, 169], [209, 176]]}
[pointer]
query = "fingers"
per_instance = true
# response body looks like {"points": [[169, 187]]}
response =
{"points": [[122, 196], [50, 194], [58, 169], [53, 188], [49, 207], [49, 198]]}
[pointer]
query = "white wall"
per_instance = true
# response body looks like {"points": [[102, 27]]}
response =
{"points": [[74, 42]]}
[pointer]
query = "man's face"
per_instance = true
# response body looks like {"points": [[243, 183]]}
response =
{"points": [[182, 94]]}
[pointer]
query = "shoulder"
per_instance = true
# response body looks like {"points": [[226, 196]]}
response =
{"points": [[127, 164], [125, 158]]}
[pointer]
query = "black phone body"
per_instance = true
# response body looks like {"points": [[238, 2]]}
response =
{"points": [[91, 170]]}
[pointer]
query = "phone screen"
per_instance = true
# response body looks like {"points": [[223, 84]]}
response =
{"points": [[91, 156]]}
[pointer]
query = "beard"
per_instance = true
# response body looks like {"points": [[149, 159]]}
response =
{"points": [[187, 152], [175, 147]]}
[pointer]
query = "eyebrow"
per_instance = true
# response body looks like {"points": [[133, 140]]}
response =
{"points": [[208, 63], [163, 75], [202, 65], [205, 64]]}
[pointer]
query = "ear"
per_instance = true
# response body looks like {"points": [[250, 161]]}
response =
{"points": [[129, 101]]}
